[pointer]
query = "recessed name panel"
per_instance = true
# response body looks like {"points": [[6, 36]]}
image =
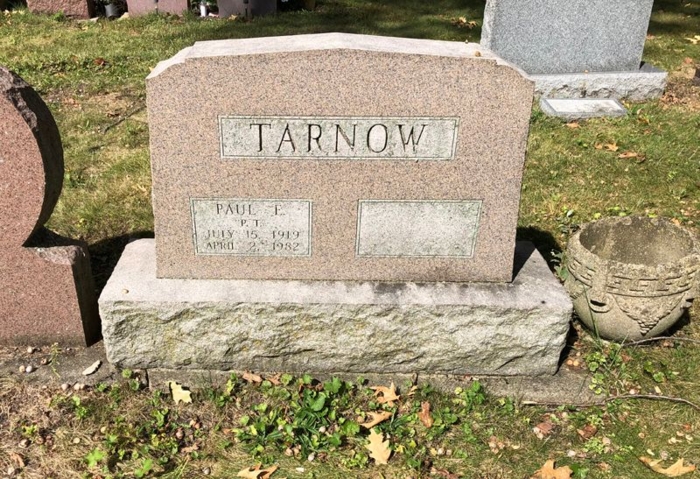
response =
{"points": [[417, 228], [358, 138], [251, 227]]}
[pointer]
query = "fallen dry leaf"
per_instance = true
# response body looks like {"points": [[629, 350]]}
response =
{"points": [[549, 472], [189, 449], [17, 459], [378, 448], [628, 154], [572, 125], [695, 40], [92, 369], [256, 472], [376, 418], [676, 470], [275, 380], [252, 378], [443, 473], [179, 393], [386, 395], [424, 414], [588, 431], [543, 429], [611, 147]]}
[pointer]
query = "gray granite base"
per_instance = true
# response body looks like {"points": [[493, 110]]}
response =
{"points": [[647, 83], [516, 328], [581, 108]]}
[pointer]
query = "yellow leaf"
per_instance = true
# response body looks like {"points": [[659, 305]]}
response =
{"points": [[378, 448], [676, 470], [256, 472], [573, 125], [628, 154], [252, 378], [424, 414], [611, 146], [549, 472], [376, 418], [386, 395], [179, 393]]}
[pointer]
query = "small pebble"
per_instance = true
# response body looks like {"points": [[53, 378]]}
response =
{"points": [[288, 452], [569, 362], [30, 349], [65, 386], [206, 471], [21, 369], [11, 471], [76, 440], [28, 369], [576, 363], [103, 429], [571, 453], [440, 451], [78, 386], [322, 429], [311, 457], [24, 443]]}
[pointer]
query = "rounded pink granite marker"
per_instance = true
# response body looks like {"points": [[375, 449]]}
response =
{"points": [[46, 290]]}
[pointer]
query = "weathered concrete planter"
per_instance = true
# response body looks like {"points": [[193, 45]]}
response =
{"points": [[632, 278]]}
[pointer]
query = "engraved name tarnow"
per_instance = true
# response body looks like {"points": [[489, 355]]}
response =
{"points": [[360, 138]]}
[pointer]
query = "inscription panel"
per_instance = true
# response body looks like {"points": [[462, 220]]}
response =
{"points": [[417, 228], [363, 138], [251, 227]]}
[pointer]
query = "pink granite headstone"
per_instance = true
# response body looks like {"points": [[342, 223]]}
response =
{"points": [[47, 292], [70, 8], [144, 7]]}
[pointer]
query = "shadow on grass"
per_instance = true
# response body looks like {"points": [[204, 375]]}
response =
{"points": [[686, 22], [543, 241]]}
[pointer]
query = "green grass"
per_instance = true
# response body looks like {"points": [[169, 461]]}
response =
{"points": [[92, 76]]}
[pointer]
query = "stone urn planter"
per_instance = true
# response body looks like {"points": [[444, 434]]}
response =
{"points": [[632, 278]]}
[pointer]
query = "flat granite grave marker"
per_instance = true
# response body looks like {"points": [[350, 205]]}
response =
{"points": [[576, 48], [338, 203], [47, 293]]}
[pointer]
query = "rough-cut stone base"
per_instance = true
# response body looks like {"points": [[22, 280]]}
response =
{"points": [[578, 108], [646, 84], [517, 328]]}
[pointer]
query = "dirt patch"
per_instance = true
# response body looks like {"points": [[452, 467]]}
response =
{"points": [[682, 90]]}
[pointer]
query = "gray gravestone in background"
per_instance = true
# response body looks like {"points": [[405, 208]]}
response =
{"points": [[576, 48], [568, 36], [321, 208]]}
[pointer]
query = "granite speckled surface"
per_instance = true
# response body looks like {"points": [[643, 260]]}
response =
{"points": [[70, 8], [144, 7], [568, 36], [517, 328], [46, 288], [331, 76]]}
